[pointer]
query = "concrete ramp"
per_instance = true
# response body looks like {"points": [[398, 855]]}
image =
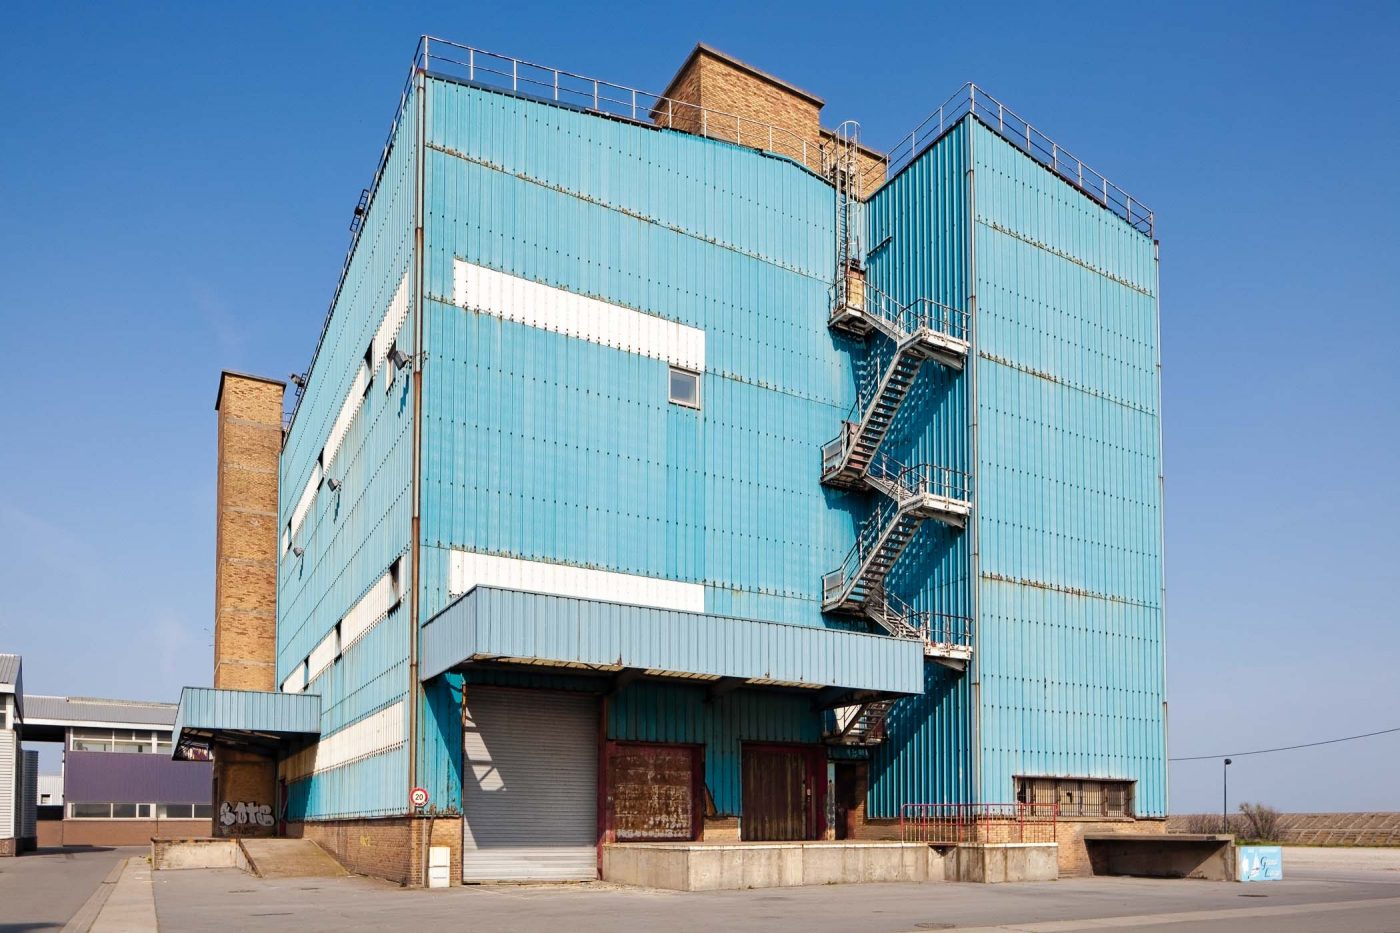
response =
{"points": [[290, 858]]}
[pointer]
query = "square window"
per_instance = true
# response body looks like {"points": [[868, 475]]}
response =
{"points": [[685, 388], [203, 811], [143, 810], [123, 811]]}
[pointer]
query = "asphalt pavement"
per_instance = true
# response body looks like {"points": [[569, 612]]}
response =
{"points": [[1331, 897], [43, 890]]}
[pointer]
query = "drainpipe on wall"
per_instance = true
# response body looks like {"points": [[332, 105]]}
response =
{"points": [[416, 555], [974, 664]]}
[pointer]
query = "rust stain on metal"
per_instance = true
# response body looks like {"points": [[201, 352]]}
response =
{"points": [[652, 789], [1060, 588]]}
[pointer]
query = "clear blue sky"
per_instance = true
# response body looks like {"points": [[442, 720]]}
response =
{"points": [[176, 181]]}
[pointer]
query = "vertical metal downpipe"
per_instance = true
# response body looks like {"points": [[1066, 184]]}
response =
{"points": [[1161, 521], [975, 571], [415, 600]]}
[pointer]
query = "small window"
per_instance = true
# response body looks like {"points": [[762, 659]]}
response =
{"points": [[685, 387], [204, 811], [90, 811], [173, 811], [123, 811], [396, 582]]}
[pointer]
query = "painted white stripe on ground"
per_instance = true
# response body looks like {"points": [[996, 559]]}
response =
{"points": [[523, 301]]}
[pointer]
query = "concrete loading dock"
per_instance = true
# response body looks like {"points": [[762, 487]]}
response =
{"points": [[1205, 857]]}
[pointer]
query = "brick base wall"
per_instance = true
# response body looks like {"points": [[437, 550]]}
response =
{"points": [[390, 848], [117, 832], [9, 848], [721, 829]]}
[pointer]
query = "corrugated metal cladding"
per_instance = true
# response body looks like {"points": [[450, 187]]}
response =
{"points": [[542, 446], [111, 777], [918, 236], [248, 710], [496, 623], [352, 536], [1069, 505], [656, 712]]}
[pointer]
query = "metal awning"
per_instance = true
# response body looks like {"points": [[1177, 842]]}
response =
{"points": [[493, 626], [254, 719]]}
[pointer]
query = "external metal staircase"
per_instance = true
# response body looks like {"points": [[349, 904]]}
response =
{"points": [[860, 724], [910, 335]]}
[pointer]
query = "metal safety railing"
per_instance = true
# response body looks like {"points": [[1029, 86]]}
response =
{"points": [[954, 823], [491, 69], [936, 628], [1011, 126], [919, 479]]}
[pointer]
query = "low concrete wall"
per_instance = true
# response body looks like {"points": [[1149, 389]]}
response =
{"points": [[998, 862], [711, 867], [206, 852], [1204, 857]]}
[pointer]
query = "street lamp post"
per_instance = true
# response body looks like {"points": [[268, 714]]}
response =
{"points": [[1225, 798]]}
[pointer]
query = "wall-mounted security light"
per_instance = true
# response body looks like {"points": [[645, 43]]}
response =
{"points": [[298, 380], [399, 358], [298, 551], [334, 484]]}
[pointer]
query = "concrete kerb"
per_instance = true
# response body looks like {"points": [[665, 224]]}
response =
{"points": [[130, 907], [82, 921]]}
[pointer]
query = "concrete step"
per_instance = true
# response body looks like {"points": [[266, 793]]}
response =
{"points": [[290, 858]]}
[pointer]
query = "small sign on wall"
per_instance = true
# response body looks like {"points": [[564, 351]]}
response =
{"points": [[1260, 863]]}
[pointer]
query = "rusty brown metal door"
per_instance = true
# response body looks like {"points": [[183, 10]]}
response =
{"points": [[653, 792], [781, 793]]}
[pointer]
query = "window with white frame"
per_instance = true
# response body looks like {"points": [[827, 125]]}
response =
{"points": [[119, 740], [684, 387], [140, 811]]}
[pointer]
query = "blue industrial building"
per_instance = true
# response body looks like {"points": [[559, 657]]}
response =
{"points": [[672, 469]]}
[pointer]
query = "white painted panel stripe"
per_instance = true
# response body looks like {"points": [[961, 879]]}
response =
{"points": [[296, 680], [323, 655], [376, 733], [308, 496], [348, 410], [512, 298], [468, 569], [393, 320], [370, 610]]}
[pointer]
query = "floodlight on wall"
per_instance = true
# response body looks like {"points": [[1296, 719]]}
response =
{"points": [[399, 358], [298, 551], [334, 484], [298, 380]]}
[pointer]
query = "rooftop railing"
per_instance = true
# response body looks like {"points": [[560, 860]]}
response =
{"points": [[1015, 129], [451, 59]]}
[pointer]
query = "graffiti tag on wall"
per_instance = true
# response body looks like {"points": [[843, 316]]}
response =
{"points": [[245, 814]]}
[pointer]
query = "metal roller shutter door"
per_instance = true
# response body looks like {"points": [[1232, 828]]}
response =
{"points": [[529, 786]]}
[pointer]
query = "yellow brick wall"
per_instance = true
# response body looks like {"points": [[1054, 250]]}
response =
{"points": [[390, 848], [246, 535], [744, 105]]}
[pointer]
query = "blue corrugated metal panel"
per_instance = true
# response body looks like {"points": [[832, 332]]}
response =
{"points": [[918, 235], [530, 435], [651, 712], [351, 537], [248, 710], [372, 786], [1069, 506], [506, 623]]}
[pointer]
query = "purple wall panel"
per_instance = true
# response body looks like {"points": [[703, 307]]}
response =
{"points": [[128, 777]]}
